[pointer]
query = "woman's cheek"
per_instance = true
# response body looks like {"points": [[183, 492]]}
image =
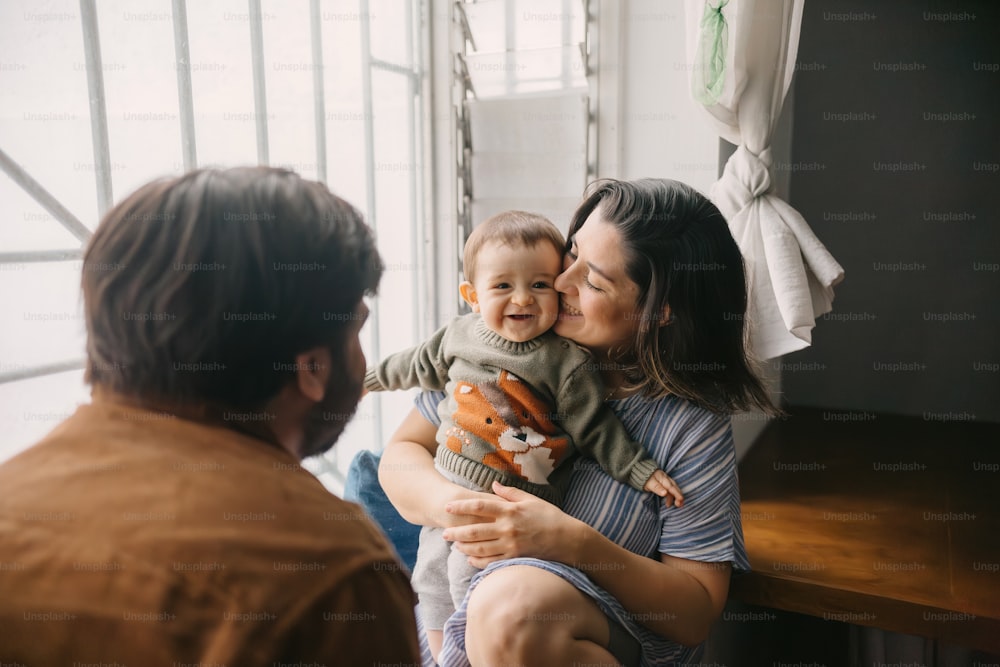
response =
{"points": [[585, 306]]}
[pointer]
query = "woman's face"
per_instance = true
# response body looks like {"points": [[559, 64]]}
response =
{"points": [[598, 301]]}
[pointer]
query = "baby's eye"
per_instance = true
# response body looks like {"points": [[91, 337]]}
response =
{"points": [[502, 286], [541, 284]]}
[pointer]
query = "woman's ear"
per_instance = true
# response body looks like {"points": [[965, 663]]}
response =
{"points": [[667, 316], [468, 293]]}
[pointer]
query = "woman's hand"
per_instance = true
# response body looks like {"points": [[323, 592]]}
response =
{"points": [[462, 496], [510, 524], [412, 483]]}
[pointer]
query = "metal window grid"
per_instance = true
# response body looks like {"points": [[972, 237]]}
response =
{"points": [[414, 75]]}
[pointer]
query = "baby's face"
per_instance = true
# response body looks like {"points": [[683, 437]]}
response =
{"points": [[514, 289]]}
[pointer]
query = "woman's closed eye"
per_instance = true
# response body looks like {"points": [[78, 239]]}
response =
{"points": [[586, 281]]}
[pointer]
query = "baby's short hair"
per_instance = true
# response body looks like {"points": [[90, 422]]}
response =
{"points": [[512, 228]]}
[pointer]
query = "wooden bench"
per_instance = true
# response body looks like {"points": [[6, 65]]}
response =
{"points": [[884, 521]]}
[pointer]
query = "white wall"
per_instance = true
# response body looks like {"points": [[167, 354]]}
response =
{"points": [[661, 131], [655, 129]]}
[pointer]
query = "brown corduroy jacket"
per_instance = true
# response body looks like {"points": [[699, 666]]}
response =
{"points": [[135, 537]]}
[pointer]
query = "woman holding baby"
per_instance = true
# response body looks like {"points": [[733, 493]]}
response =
{"points": [[653, 286]]}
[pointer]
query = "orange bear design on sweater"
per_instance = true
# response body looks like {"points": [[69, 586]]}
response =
{"points": [[509, 416]]}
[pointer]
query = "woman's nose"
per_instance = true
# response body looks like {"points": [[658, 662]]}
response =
{"points": [[562, 282]]}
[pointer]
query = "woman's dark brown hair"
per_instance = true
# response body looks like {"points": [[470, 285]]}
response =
{"points": [[205, 287], [679, 251]]}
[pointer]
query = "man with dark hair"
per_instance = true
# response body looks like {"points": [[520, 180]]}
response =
{"points": [[169, 520]]}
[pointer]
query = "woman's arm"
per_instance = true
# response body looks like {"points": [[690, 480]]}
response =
{"points": [[414, 487], [675, 597]]}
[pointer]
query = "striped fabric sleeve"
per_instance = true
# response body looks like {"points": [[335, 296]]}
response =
{"points": [[427, 402], [708, 527]]}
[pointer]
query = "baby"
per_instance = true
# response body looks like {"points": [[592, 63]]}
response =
{"points": [[521, 401]]}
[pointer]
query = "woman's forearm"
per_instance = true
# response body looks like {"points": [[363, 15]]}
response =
{"points": [[407, 474], [410, 481], [677, 598]]}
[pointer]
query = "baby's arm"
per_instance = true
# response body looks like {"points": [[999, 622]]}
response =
{"points": [[598, 433], [425, 366]]}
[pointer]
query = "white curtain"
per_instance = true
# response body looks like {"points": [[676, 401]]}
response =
{"points": [[742, 56]]}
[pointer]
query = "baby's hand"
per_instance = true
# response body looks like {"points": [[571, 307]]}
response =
{"points": [[661, 484]]}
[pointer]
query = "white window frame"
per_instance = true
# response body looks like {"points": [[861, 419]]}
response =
{"points": [[423, 225]]}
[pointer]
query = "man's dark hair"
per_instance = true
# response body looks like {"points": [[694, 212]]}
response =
{"points": [[203, 288]]}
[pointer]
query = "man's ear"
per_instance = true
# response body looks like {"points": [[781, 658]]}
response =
{"points": [[312, 370], [667, 316], [468, 293]]}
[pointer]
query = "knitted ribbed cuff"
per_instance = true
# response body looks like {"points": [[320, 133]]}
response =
{"points": [[372, 383], [641, 472], [483, 476]]}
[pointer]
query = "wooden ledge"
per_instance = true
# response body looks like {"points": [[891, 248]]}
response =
{"points": [[885, 521]]}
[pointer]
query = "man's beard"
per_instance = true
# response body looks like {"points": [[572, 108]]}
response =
{"points": [[327, 420]]}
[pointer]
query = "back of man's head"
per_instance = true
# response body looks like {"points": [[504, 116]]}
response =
{"points": [[203, 288]]}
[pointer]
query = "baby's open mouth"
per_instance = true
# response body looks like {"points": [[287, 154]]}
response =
{"points": [[521, 317]]}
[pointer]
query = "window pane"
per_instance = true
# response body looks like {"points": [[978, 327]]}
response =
{"points": [[288, 68], [28, 226], [514, 25], [345, 112], [222, 82], [395, 175], [44, 122], [42, 324], [512, 73], [29, 409], [390, 34], [140, 85], [44, 113]]}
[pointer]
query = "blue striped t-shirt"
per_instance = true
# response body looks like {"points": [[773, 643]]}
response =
{"points": [[693, 446]]}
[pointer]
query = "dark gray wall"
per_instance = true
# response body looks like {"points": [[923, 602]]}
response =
{"points": [[896, 166]]}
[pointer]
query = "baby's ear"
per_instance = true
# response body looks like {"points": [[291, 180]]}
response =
{"points": [[468, 293]]}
